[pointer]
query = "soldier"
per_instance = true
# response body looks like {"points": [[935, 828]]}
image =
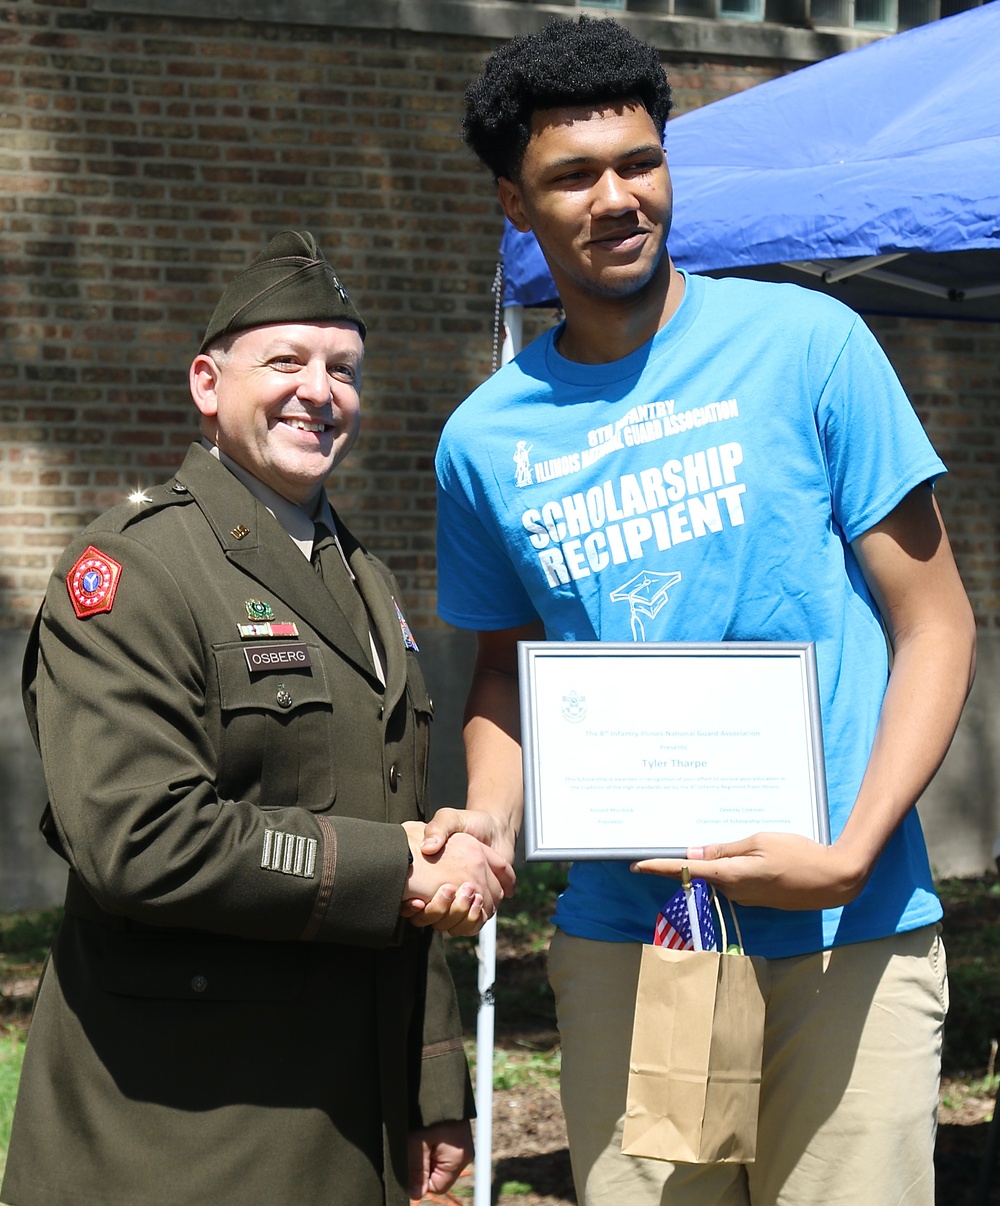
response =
{"points": [[235, 747]]}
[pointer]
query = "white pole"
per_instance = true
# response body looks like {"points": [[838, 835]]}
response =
{"points": [[513, 332], [486, 951], [487, 955]]}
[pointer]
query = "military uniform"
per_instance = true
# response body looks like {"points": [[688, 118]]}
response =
{"points": [[233, 1012]]}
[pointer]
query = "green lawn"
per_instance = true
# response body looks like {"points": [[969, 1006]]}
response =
{"points": [[11, 1054]]}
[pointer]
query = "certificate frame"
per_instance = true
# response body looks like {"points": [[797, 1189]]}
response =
{"points": [[726, 766]]}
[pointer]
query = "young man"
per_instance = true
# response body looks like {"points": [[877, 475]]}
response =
{"points": [[784, 482], [234, 741]]}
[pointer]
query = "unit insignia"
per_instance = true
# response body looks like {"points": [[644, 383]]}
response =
{"points": [[257, 610], [92, 582]]}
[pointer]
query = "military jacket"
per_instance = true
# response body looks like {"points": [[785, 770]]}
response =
{"points": [[233, 1012]]}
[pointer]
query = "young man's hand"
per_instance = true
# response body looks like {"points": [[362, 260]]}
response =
{"points": [[457, 885]]}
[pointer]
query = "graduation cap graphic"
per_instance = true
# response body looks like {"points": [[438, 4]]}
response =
{"points": [[645, 594]]}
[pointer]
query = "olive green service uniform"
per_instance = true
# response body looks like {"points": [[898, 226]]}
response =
{"points": [[233, 1013]]}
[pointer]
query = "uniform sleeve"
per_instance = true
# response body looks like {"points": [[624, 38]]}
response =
{"points": [[875, 447], [443, 1088], [118, 702]]}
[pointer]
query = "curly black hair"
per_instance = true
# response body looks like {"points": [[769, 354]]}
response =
{"points": [[589, 61]]}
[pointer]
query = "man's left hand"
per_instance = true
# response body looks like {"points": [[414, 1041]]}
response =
{"points": [[776, 870], [437, 1155]]}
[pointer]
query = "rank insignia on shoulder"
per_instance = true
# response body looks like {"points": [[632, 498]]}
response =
{"points": [[92, 582], [408, 640], [257, 610], [289, 853], [256, 632]]}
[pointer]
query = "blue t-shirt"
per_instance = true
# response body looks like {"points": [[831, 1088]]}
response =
{"points": [[743, 448]]}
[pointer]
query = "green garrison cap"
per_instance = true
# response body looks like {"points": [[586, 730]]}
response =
{"points": [[290, 281]]}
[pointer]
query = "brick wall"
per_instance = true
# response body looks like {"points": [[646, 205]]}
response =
{"points": [[144, 160], [951, 371]]}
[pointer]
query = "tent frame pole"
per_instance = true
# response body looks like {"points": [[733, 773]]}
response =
{"points": [[486, 950]]}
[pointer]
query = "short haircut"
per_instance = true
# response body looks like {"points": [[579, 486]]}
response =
{"points": [[221, 349], [584, 62]]}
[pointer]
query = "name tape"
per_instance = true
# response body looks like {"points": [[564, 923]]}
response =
{"points": [[264, 658]]}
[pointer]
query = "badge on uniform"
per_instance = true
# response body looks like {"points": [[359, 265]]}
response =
{"points": [[408, 640], [92, 582], [256, 632], [258, 610]]}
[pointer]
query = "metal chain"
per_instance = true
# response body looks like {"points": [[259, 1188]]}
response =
{"points": [[497, 290]]}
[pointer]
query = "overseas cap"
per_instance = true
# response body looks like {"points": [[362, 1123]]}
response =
{"points": [[290, 281]]}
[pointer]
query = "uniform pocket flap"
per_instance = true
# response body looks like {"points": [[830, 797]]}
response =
{"points": [[283, 685]]}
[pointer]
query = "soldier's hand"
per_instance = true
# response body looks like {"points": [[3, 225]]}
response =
{"points": [[457, 889], [437, 1156]]}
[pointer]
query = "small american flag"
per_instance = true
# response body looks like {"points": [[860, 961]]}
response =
{"points": [[673, 925]]}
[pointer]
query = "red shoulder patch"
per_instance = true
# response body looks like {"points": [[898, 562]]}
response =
{"points": [[92, 583]]}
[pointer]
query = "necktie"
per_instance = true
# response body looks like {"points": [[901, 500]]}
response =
{"points": [[331, 567]]}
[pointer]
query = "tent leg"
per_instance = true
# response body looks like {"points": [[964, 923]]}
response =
{"points": [[486, 953], [513, 334]]}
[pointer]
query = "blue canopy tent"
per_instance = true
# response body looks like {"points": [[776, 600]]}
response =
{"points": [[874, 175]]}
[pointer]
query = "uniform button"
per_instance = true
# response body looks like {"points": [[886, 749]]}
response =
{"points": [[199, 983], [430, 704], [283, 698], [381, 711], [178, 488], [393, 776]]}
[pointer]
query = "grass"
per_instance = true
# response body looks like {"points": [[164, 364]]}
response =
{"points": [[11, 1055], [25, 939]]}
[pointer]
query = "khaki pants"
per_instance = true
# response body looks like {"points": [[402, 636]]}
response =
{"points": [[849, 1090]]}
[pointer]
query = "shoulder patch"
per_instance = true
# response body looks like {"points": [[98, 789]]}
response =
{"points": [[92, 582]]}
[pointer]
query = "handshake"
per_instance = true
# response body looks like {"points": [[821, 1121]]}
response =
{"points": [[460, 870]]}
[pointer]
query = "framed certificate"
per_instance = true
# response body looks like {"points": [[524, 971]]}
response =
{"points": [[642, 750]]}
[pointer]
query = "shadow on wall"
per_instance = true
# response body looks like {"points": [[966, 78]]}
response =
{"points": [[31, 876]]}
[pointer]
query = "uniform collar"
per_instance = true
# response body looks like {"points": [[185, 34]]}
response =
{"points": [[299, 524]]}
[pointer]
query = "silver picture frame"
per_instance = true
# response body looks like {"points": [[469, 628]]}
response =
{"points": [[644, 750]]}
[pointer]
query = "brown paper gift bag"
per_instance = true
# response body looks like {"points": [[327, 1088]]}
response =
{"points": [[694, 1072]]}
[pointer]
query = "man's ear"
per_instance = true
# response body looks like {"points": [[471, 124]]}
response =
{"points": [[512, 204], [203, 378]]}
